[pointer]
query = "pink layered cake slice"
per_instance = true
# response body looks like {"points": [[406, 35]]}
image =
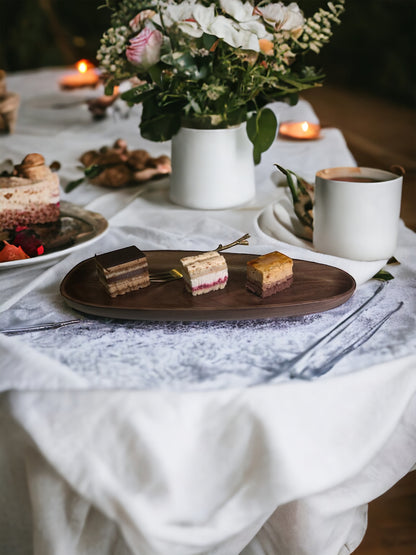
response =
{"points": [[204, 272], [269, 274], [31, 196], [122, 270]]}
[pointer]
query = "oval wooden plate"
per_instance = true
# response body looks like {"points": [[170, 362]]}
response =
{"points": [[316, 288]]}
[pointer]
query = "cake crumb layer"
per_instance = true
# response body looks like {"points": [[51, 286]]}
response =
{"points": [[122, 270], [205, 272], [270, 273]]}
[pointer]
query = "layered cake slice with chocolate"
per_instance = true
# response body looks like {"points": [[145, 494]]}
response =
{"points": [[269, 273], [122, 270], [204, 272], [31, 195]]}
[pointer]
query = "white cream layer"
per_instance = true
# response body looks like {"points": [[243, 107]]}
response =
{"points": [[25, 193], [207, 279]]}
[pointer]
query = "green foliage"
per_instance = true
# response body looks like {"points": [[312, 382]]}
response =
{"points": [[383, 275], [203, 79], [261, 130]]}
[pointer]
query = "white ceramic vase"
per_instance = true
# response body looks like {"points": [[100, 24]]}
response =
{"points": [[212, 169]]}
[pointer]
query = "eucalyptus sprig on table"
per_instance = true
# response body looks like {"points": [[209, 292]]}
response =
{"points": [[89, 173], [303, 198]]}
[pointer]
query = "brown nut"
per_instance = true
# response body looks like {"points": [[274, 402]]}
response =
{"points": [[121, 145], [33, 167], [33, 160], [116, 176], [89, 158], [145, 175], [138, 159], [111, 157]]}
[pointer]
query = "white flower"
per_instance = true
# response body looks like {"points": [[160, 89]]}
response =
{"points": [[199, 22], [224, 28], [175, 13], [137, 22], [194, 20], [246, 16], [286, 18], [238, 10]]}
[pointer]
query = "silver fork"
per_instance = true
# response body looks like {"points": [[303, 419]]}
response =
{"points": [[309, 372], [42, 327], [301, 366], [157, 277]]}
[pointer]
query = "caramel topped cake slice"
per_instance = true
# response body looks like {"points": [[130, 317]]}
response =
{"points": [[268, 274], [31, 196], [204, 272], [122, 270]]}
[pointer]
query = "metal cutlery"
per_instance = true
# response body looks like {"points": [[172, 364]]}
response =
{"points": [[310, 372], [303, 366], [158, 277], [41, 327], [308, 364]]}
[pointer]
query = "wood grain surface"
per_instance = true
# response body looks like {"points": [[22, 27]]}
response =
{"points": [[315, 288]]}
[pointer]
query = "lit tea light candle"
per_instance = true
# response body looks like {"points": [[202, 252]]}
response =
{"points": [[86, 76], [299, 130]]}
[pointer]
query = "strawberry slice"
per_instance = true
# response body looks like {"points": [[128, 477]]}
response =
{"points": [[11, 252]]}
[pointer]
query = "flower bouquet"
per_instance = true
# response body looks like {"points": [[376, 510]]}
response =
{"points": [[213, 64]]}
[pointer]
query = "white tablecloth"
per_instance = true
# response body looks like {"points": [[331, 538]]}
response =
{"points": [[163, 437]]}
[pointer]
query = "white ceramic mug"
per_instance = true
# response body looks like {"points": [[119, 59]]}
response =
{"points": [[357, 212]]}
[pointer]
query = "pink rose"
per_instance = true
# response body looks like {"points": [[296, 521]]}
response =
{"points": [[144, 50], [137, 22]]}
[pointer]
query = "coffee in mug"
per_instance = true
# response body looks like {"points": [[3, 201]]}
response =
{"points": [[357, 212]]}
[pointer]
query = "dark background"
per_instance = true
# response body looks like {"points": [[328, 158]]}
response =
{"points": [[373, 50]]}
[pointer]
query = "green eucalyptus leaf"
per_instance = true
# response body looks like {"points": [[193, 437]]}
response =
{"points": [[155, 73], [156, 126], [208, 40], [383, 275], [139, 94], [261, 130], [293, 99], [290, 182], [109, 87], [184, 62], [94, 170], [89, 172], [167, 58], [73, 184]]}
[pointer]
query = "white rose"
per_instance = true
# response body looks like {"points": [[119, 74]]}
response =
{"points": [[238, 10], [246, 17], [223, 28], [286, 18], [138, 21], [199, 22], [174, 13]]}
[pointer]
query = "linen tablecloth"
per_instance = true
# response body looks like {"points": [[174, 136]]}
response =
{"points": [[162, 437]]}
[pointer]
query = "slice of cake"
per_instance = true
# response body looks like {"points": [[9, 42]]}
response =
{"points": [[31, 196], [122, 270], [268, 274], [205, 272]]}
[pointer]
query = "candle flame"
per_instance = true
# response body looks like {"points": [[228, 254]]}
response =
{"points": [[83, 66], [305, 126]]}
